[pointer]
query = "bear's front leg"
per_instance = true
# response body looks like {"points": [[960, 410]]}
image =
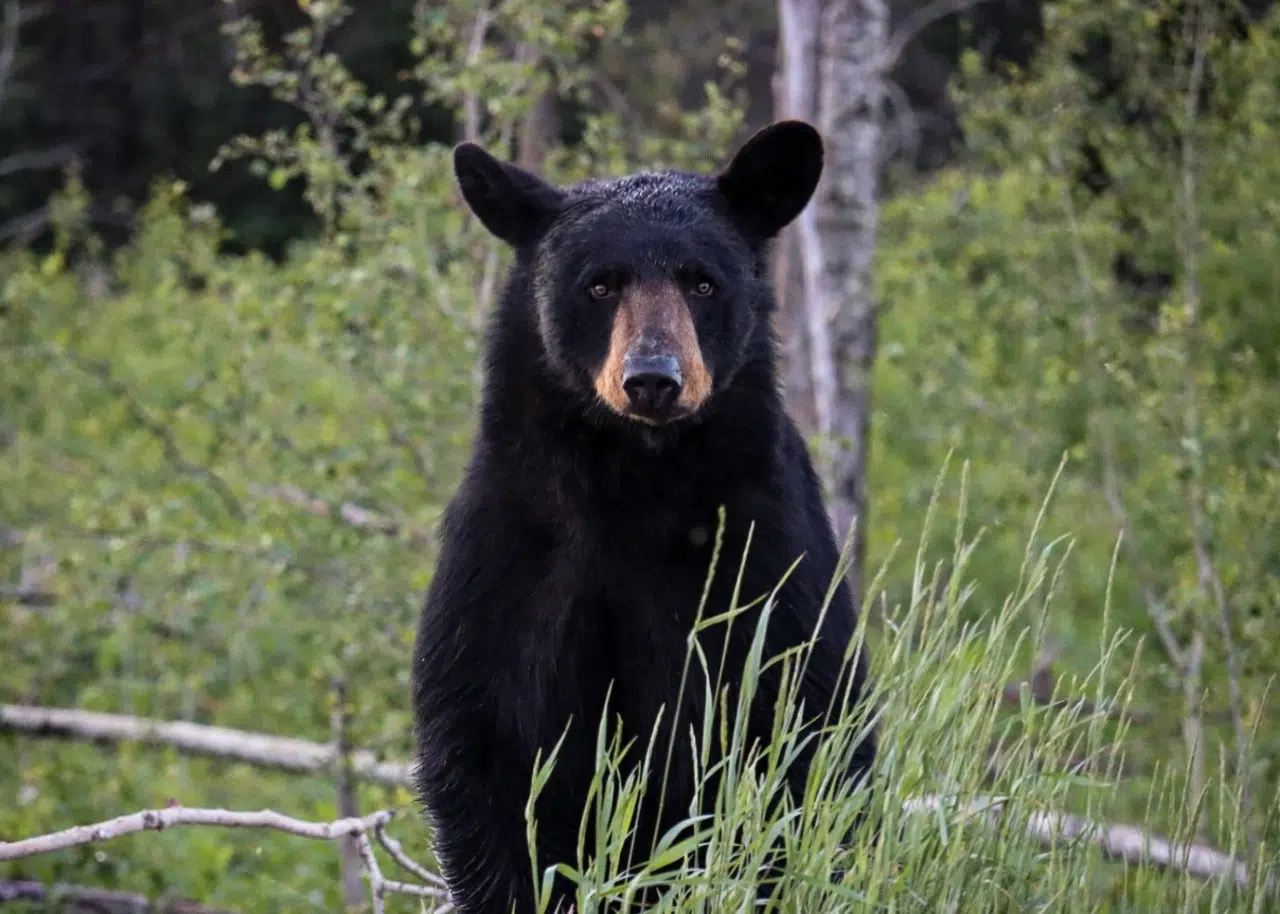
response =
{"points": [[479, 703], [475, 799]]}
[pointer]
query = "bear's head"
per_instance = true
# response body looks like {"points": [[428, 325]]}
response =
{"points": [[650, 290]]}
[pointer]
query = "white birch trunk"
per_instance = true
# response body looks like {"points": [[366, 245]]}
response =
{"points": [[796, 96], [800, 19], [831, 58], [853, 35]]}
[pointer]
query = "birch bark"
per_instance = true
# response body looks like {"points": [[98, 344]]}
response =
{"points": [[831, 70], [852, 39]]}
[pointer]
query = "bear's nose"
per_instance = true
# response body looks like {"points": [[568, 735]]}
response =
{"points": [[652, 383]]}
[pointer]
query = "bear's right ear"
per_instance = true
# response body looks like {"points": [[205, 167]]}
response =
{"points": [[513, 204]]}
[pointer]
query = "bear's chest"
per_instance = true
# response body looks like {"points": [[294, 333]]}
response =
{"points": [[610, 617], [617, 607], [615, 653]]}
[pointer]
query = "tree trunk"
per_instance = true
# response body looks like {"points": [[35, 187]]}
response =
{"points": [[795, 96], [831, 53], [853, 36], [539, 130], [788, 280]]}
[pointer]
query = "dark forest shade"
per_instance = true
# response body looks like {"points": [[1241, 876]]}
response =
{"points": [[141, 90]]}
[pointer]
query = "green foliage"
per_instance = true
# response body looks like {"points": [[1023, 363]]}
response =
{"points": [[1014, 340]]}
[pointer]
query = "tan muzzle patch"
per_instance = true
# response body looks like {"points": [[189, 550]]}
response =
{"points": [[654, 320]]}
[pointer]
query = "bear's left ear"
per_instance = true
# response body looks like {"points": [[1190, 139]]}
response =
{"points": [[513, 204], [772, 177]]}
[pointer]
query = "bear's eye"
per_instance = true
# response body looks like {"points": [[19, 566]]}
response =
{"points": [[600, 289], [703, 287]]}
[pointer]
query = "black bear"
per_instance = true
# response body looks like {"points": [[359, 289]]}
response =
{"points": [[630, 395]]}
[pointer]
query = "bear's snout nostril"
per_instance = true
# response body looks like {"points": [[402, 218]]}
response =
{"points": [[652, 383]]}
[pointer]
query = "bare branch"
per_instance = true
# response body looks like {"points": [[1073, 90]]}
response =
{"points": [[381, 398], [536, 128], [380, 886], [1122, 842], [920, 19], [180, 816], [15, 17], [27, 225], [281, 752], [9, 42], [392, 847], [22, 230], [906, 126], [176, 816], [1118, 842], [614, 98], [79, 899], [1188, 660], [54, 157]]}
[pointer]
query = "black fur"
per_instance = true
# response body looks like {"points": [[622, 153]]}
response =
{"points": [[577, 546]]}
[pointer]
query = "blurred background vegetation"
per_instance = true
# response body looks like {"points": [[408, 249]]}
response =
{"points": [[239, 315]]}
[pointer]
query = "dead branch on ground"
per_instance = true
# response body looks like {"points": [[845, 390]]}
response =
{"points": [[266, 751], [359, 829], [1117, 841]]}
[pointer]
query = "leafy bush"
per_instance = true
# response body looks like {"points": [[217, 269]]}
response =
{"points": [[1013, 339]]}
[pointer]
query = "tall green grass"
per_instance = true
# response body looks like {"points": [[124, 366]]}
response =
{"points": [[950, 752]]}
